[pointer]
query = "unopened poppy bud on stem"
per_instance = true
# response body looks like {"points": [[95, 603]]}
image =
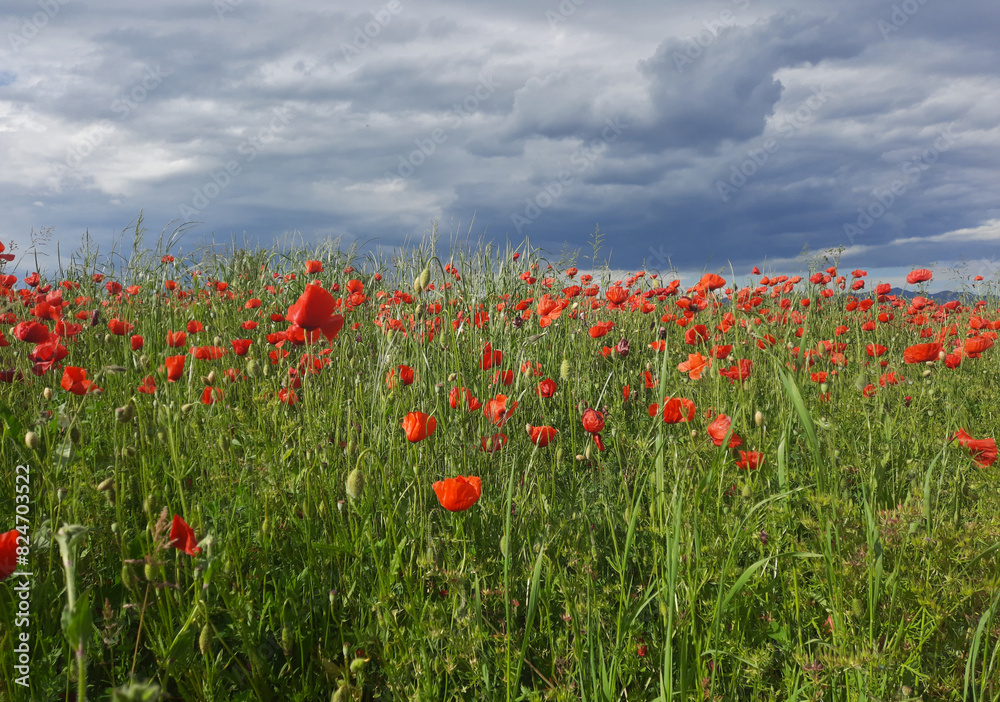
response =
{"points": [[758, 418], [47, 393], [32, 440], [355, 484], [564, 369]]}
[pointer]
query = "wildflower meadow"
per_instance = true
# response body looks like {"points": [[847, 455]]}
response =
{"points": [[493, 474]]}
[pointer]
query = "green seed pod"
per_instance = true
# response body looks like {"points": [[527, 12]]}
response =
{"points": [[355, 484], [205, 641], [32, 440]]}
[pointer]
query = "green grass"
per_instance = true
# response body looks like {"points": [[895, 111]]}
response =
{"points": [[859, 562]]}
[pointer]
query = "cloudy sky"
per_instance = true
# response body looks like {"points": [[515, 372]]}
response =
{"points": [[699, 135]]}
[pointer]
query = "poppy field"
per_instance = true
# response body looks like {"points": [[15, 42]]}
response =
{"points": [[489, 475]]}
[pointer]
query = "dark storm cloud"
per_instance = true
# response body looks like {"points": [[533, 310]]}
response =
{"points": [[694, 135]]}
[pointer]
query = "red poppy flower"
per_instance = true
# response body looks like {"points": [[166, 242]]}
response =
{"points": [[315, 310], [919, 276], [176, 339], [718, 430], [695, 365], [208, 353], [506, 377], [458, 494], [542, 436], [678, 409], [120, 328], [399, 374], [136, 341], [241, 346], [288, 396], [210, 395], [175, 367], [493, 443], [698, 334], [616, 294], [31, 332], [455, 396], [148, 386], [8, 553], [194, 326], [75, 381], [982, 451], [593, 421], [546, 388], [313, 267], [497, 411], [490, 357], [922, 352], [977, 344], [418, 426], [750, 460], [711, 281], [182, 537]]}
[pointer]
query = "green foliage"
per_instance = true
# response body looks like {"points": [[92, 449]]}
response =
{"points": [[860, 561]]}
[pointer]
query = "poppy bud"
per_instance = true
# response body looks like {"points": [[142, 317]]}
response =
{"points": [[452, 377], [47, 393], [355, 484], [61, 495], [149, 571], [125, 414], [253, 368], [106, 484], [144, 361], [286, 641], [926, 372], [128, 580], [758, 418], [75, 435], [503, 545], [357, 664], [187, 407], [108, 338], [211, 378], [110, 495], [343, 694], [823, 387], [564, 369], [746, 491], [205, 641], [128, 452], [694, 433], [218, 341], [32, 440], [265, 526]]}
